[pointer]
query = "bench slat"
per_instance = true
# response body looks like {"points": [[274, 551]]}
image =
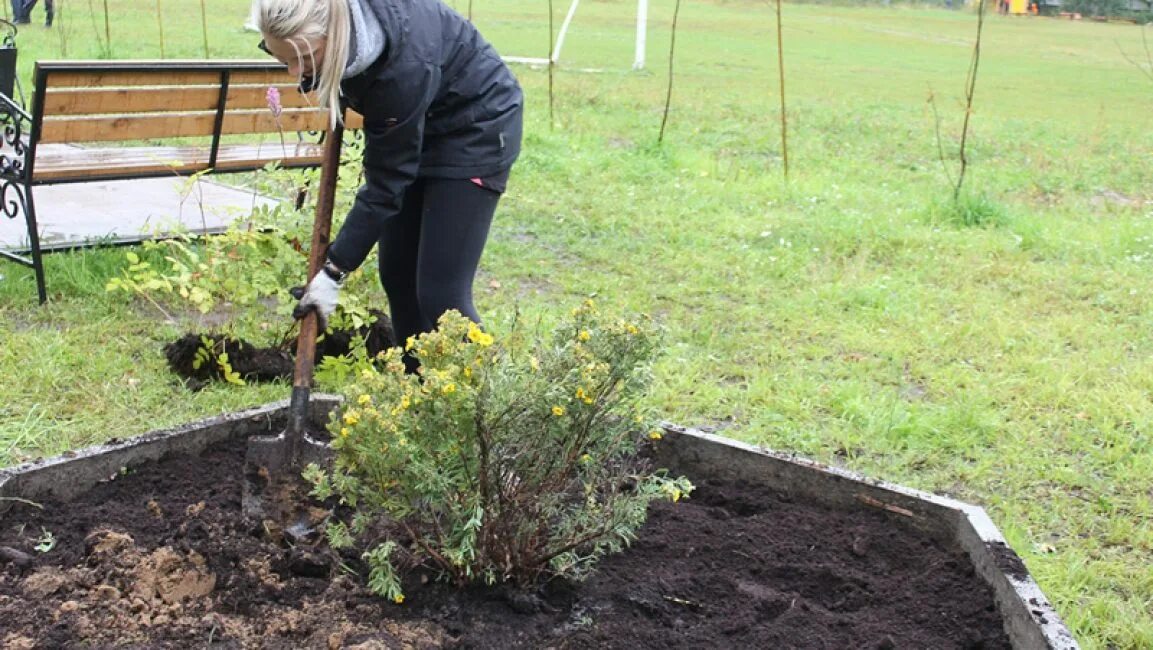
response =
{"points": [[151, 126], [265, 78], [157, 77], [108, 101], [66, 163], [128, 100], [163, 77]]}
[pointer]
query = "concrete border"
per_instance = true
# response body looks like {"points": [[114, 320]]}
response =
{"points": [[73, 473], [1030, 620]]}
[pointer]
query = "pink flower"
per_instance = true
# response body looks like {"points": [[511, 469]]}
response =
{"points": [[273, 97]]}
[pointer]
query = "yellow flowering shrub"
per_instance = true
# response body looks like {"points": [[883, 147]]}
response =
{"points": [[506, 459]]}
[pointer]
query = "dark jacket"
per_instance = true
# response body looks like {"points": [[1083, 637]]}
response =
{"points": [[439, 103]]}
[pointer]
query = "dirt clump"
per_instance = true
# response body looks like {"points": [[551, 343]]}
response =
{"points": [[194, 357]]}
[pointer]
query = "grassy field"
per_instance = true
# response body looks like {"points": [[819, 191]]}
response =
{"points": [[847, 314]]}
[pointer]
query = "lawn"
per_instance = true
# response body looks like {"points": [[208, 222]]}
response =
{"points": [[847, 313]]}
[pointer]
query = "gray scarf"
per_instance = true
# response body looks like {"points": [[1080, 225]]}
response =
{"points": [[367, 40]]}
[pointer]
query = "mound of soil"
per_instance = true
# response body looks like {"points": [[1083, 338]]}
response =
{"points": [[252, 363], [160, 558]]}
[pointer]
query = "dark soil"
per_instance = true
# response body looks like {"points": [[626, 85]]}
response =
{"points": [[159, 558], [254, 363]]}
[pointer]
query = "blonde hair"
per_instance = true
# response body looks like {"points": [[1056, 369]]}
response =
{"points": [[306, 21]]}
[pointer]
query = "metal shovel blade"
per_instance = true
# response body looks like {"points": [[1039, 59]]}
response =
{"points": [[273, 463]]}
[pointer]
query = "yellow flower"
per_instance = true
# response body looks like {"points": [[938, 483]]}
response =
{"points": [[558, 411], [405, 402], [343, 432], [583, 396], [655, 435], [467, 372], [586, 458], [448, 389], [478, 336], [351, 418], [410, 343], [631, 329], [584, 335], [398, 599], [364, 400], [534, 363]]}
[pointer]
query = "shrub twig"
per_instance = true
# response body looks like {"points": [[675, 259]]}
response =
{"points": [[107, 29], [932, 101], [160, 26], [204, 26], [970, 91], [784, 107], [551, 65], [669, 90]]}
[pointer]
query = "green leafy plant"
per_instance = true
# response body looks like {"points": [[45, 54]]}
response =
{"points": [[968, 211], [240, 266], [498, 462], [46, 542], [252, 264], [212, 352]]}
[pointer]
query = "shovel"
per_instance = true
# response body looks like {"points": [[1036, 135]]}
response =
{"points": [[273, 463]]}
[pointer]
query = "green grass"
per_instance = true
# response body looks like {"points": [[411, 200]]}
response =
{"points": [[997, 350]]}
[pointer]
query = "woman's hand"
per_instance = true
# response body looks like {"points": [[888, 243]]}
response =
{"points": [[321, 294]]}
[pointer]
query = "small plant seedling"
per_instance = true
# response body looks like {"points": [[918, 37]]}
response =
{"points": [[46, 542]]}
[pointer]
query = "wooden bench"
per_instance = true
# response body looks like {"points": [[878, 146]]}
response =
{"points": [[102, 120]]}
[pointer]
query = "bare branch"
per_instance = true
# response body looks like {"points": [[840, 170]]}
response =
{"points": [[669, 91]]}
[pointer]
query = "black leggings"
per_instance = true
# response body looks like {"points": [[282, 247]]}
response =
{"points": [[430, 251]]}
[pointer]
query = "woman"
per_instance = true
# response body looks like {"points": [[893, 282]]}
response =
{"points": [[442, 125]]}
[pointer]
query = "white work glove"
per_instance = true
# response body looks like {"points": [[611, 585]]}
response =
{"points": [[321, 294]]}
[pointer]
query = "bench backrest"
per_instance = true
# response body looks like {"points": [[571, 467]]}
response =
{"points": [[102, 101]]}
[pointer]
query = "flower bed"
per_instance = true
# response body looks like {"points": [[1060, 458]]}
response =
{"points": [[157, 554]]}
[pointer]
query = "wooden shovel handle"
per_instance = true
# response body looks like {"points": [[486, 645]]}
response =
{"points": [[321, 228]]}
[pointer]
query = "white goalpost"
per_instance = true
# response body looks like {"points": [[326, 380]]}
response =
{"points": [[642, 31], [639, 52]]}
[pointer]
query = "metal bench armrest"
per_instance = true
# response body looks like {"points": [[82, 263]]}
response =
{"points": [[16, 125]]}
